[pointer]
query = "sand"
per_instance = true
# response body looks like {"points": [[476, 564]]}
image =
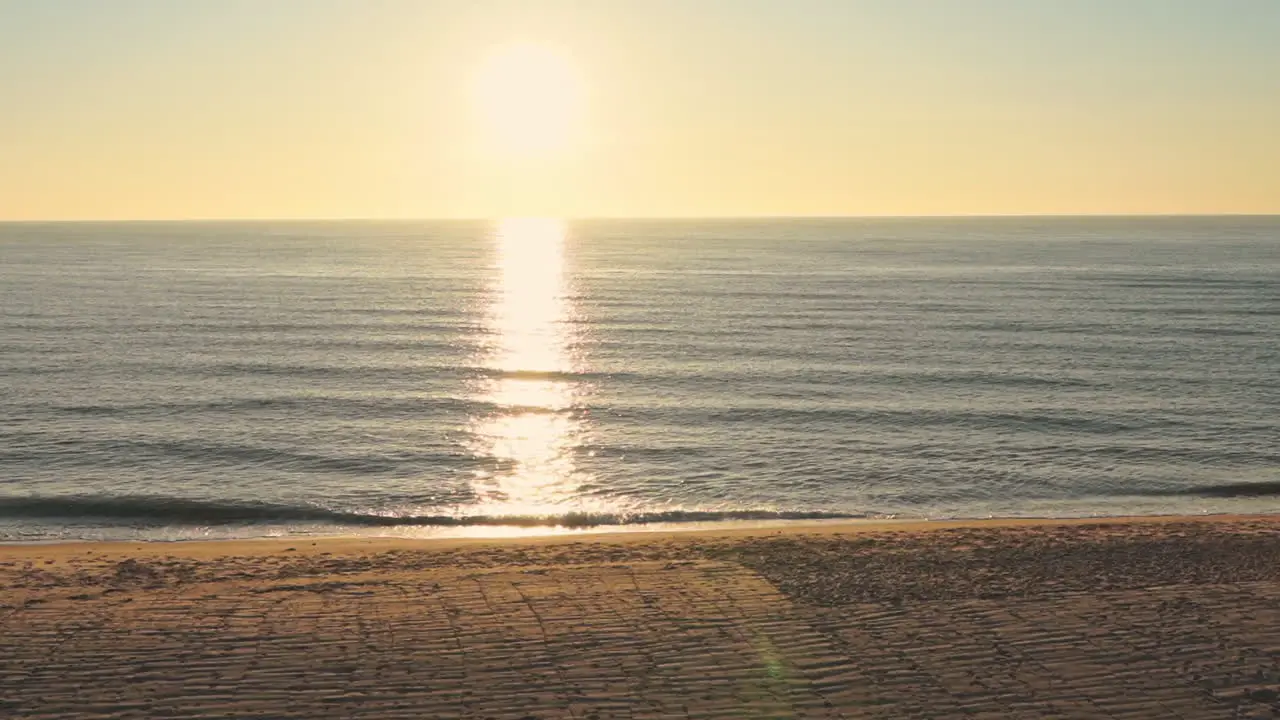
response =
{"points": [[1154, 618]]}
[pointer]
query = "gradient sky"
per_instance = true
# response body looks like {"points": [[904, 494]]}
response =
{"points": [[166, 109]]}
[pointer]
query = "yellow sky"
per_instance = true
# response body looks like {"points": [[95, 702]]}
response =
{"points": [[144, 109]]}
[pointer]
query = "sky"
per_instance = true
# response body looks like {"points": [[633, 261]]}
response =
{"points": [[245, 109]]}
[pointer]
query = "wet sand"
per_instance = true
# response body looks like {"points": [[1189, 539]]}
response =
{"points": [[1137, 618]]}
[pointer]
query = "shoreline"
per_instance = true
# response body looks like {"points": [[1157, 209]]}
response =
{"points": [[532, 537]]}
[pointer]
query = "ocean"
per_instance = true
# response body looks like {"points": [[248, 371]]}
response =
{"points": [[167, 381]]}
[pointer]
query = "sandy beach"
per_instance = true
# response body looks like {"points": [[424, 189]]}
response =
{"points": [[1126, 618]]}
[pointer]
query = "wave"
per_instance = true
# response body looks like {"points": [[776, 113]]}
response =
{"points": [[1241, 489], [161, 510], [130, 453], [1266, 488]]}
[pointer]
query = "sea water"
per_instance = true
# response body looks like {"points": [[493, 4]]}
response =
{"points": [[170, 380]]}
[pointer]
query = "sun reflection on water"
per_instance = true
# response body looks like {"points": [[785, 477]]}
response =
{"points": [[533, 425]]}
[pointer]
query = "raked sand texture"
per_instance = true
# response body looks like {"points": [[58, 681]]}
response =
{"points": [[1126, 620]]}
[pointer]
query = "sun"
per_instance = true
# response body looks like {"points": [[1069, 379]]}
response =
{"points": [[529, 100]]}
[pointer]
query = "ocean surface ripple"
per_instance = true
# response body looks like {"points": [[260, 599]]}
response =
{"points": [[172, 380]]}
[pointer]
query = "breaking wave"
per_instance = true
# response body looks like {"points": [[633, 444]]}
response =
{"points": [[158, 510]]}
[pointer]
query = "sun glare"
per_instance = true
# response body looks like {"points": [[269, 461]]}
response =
{"points": [[531, 426], [529, 100]]}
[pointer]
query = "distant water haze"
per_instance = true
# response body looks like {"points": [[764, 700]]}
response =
{"points": [[172, 380]]}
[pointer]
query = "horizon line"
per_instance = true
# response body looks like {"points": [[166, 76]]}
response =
{"points": [[963, 216]]}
